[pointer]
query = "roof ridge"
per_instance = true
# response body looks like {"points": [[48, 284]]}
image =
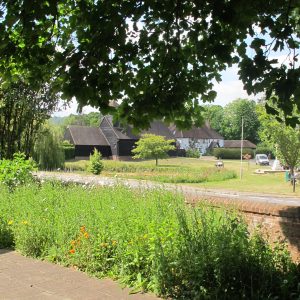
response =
{"points": [[111, 126], [71, 134]]}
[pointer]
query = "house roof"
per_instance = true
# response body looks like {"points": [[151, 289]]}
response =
{"points": [[237, 144], [122, 132], [126, 132], [84, 135], [159, 128], [204, 132]]}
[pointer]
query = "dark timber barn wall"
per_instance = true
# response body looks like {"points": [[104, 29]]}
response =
{"points": [[87, 150], [121, 140], [125, 147], [85, 139]]}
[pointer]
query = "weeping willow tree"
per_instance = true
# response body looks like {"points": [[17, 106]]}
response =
{"points": [[48, 152]]}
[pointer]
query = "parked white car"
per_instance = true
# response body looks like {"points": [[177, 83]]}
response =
{"points": [[262, 160]]}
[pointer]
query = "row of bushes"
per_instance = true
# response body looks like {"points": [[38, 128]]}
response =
{"points": [[147, 239], [229, 153]]}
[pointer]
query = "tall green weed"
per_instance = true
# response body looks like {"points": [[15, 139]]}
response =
{"points": [[149, 240], [17, 171], [166, 174]]}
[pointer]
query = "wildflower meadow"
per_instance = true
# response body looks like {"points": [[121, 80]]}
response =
{"points": [[149, 240]]}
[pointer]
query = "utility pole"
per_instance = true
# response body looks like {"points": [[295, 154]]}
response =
{"points": [[242, 140]]}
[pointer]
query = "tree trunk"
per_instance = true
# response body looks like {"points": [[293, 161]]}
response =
{"points": [[156, 161], [293, 179]]}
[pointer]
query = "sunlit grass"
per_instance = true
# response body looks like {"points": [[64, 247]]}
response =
{"points": [[168, 171], [261, 183]]}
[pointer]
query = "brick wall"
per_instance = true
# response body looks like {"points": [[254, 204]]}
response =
{"points": [[277, 222]]}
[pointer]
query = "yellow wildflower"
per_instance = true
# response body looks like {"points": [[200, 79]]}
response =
{"points": [[10, 222], [86, 235], [24, 222], [114, 242]]}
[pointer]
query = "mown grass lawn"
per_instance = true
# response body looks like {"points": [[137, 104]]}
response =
{"points": [[192, 168], [260, 183]]}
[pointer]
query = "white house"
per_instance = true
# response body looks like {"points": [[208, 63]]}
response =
{"points": [[201, 138]]}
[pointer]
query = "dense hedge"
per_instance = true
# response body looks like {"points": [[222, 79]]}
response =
{"points": [[230, 153], [260, 149]]}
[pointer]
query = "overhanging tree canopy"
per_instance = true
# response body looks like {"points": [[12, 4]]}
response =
{"points": [[158, 57]]}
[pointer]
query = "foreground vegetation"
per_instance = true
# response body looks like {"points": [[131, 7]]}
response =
{"points": [[147, 239]]}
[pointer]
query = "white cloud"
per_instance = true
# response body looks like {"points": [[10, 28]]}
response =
{"points": [[229, 91], [71, 108], [231, 88]]}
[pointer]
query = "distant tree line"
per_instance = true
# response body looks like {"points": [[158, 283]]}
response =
{"points": [[91, 119], [228, 120]]}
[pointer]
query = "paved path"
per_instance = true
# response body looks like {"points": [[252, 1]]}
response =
{"points": [[29, 279], [192, 192]]}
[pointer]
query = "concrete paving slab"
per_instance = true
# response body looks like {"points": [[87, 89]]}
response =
{"points": [[23, 278]]}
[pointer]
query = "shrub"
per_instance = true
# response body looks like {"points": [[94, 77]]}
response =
{"points": [[17, 171], [96, 164], [193, 153], [69, 150], [230, 153]]}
